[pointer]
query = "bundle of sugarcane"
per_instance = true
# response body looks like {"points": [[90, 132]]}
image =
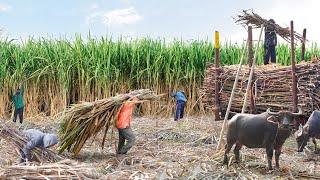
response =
{"points": [[256, 21], [85, 120], [66, 169], [272, 87], [19, 140]]}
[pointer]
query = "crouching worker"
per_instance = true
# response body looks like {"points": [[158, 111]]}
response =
{"points": [[38, 139], [126, 136], [181, 103]]}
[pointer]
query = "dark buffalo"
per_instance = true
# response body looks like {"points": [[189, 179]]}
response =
{"points": [[310, 130], [267, 130]]}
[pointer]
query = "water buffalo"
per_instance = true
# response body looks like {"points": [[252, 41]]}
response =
{"points": [[310, 130], [267, 130]]}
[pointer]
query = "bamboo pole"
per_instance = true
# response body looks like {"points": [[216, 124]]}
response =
{"points": [[244, 107], [232, 94]]}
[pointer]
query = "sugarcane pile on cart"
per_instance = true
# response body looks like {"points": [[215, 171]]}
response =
{"points": [[271, 87]]}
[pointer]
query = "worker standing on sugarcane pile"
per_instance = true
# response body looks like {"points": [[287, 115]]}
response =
{"points": [[18, 104], [123, 126], [38, 139], [270, 42], [180, 104]]}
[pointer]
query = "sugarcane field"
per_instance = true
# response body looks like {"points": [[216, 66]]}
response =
{"points": [[107, 107]]}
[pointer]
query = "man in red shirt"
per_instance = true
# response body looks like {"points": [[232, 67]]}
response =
{"points": [[123, 126]]}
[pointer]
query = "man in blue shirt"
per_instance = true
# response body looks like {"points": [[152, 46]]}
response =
{"points": [[38, 139], [181, 103]]}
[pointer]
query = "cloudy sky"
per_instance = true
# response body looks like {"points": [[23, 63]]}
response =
{"points": [[186, 19]]}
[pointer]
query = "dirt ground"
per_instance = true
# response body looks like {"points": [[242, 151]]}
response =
{"points": [[186, 149]]}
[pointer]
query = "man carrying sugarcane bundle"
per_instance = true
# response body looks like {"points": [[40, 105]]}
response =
{"points": [[126, 136], [18, 104], [270, 42], [38, 139]]}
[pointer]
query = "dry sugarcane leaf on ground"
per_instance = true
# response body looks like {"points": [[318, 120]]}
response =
{"points": [[83, 121], [19, 140], [66, 169], [150, 158]]}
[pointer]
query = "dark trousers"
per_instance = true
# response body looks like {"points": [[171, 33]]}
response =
{"points": [[22, 157], [125, 134], [269, 51], [179, 110], [18, 112]]}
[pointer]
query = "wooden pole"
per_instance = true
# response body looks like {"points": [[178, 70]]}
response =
{"points": [[250, 55], [250, 59], [216, 77], [304, 36], [293, 74], [232, 95], [251, 73]]}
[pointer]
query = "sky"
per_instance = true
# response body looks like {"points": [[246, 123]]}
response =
{"points": [[169, 19]]}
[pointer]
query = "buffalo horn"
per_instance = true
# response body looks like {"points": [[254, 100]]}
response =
{"points": [[271, 113], [298, 113]]}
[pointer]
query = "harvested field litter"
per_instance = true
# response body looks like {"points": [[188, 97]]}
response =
{"points": [[256, 21], [66, 169], [156, 157], [252, 167], [186, 157], [16, 137], [272, 87], [85, 120]]}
